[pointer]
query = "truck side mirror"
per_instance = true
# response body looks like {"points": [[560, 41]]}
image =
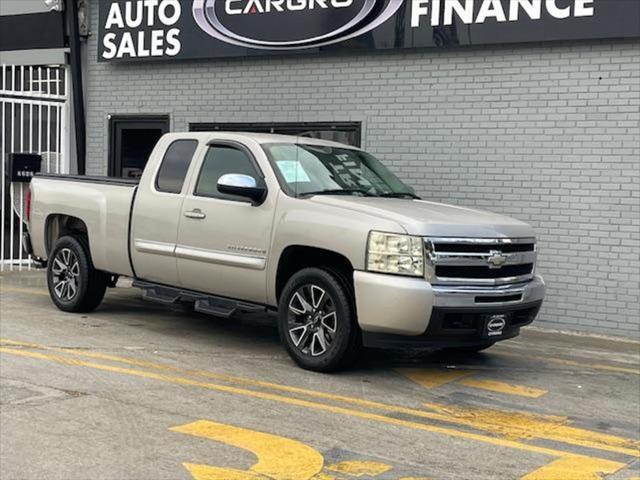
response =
{"points": [[242, 186]]}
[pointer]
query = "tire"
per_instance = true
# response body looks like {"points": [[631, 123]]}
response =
{"points": [[317, 321], [468, 349], [74, 284]]}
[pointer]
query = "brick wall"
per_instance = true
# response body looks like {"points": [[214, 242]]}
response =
{"points": [[549, 134]]}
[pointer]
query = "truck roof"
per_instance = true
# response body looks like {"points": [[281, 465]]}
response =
{"points": [[257, 137]]}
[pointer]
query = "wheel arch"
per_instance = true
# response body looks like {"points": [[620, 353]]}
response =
{"points": [[297, 257], [58, 225]]}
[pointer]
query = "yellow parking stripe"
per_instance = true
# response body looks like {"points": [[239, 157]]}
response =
{"points": [[528, 426], [433, 377], [355, 468], [581, 437], [573, 469], [501, 387], [278, 457]]}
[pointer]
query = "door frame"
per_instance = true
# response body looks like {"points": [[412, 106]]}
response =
{"points": [[114, 168], [266, 127]]}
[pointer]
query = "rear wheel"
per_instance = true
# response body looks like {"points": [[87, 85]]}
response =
{"points": [[317, 321], [74, 284]]}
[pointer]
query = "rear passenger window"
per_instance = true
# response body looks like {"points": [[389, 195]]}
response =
{"points": [[221, 160], [175, 164]]}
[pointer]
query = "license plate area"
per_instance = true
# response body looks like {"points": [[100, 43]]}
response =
{"points": [[496, 324]]}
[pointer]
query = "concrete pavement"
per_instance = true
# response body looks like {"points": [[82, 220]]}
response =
{"points": [[138, 391]]}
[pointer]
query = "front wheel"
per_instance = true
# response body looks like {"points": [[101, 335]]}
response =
{"points": [[317, 321], [74, 284]]}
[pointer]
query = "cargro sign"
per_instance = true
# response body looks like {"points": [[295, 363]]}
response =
{"points": [[180, 29]]}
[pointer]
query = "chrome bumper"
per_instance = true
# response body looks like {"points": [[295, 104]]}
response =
{"points": [[404, 305], [488, 297]]}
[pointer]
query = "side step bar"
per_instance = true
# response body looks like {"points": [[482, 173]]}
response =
{"points": [[203, 303]]}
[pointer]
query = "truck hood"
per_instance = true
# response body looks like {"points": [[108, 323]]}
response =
{"points": [[419, 217]]}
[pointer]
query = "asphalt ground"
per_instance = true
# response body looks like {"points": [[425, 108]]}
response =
{"points": [[140, 391]]}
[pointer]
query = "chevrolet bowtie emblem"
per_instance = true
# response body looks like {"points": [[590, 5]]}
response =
{"points": [[496, 259]]}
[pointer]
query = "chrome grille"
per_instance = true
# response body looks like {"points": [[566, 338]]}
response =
{"points": [[479, 261]]}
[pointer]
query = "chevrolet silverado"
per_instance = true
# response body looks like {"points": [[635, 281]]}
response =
{"points": [[319, 232]]}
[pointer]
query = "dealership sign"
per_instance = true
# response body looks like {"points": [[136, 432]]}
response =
{"points": [[170, 29]]}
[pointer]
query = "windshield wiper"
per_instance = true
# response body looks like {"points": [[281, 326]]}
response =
{"points": [[399, 195], [338, 191]]}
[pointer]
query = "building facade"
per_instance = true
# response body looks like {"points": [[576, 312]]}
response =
{"points": [[544, 131]]}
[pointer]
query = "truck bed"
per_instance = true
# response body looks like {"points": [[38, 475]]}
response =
{"points": [[103, 204]]}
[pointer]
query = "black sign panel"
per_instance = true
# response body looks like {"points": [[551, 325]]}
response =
{"points": [[23, 166], [32, 31], [173, 29]]}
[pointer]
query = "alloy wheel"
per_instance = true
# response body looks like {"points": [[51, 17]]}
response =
{"points": [[312, 320], [66, 271]]}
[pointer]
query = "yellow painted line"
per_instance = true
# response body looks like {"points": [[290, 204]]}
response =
{"points": [[581, 365], [356, 468], [30, 291], [278, 457], [291, 401], [527, 426], [574, 469], [501, 387], [433, 377], [579, 437]]}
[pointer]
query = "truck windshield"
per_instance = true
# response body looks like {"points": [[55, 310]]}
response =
{"points": [[318, 170]]}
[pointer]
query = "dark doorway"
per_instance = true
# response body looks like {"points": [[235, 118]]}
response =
{"points": [[131, 140], [343, 132]]}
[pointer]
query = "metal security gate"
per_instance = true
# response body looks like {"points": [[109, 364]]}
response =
{"points": [[34, 118]]}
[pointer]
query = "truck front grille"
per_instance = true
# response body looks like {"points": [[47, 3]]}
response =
{"points": [[480, 261]]}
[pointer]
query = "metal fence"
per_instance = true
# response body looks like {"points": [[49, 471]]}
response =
{"points": [[34, 119]]}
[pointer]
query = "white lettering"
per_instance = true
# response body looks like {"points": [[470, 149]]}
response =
{"points": [[556, 12], [128, 14], [127, 46], [531, 7], [232, 11], [157, 40], [162, 12], [464, 13], [320, 3], [142, 51], [491, 8], [253, 6], [151, 5], [110, 47], [582, 10], [276, 4], [114, 17], [435, 12], [294, 5], [419, 8], [174, 42]]}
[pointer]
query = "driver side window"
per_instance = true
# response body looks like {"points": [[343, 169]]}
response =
{"points": [[222, 160]]}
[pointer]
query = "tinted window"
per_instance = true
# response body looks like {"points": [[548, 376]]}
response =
{"points": [[174, 166], [221, 161]]}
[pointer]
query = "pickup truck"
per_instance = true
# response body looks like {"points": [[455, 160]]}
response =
{"points": [[319, 232]]}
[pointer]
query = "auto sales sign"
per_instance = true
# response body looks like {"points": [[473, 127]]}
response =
{"points": [[181, 29]]}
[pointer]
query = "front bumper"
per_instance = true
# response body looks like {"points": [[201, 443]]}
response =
{"points": [[409, 307]]}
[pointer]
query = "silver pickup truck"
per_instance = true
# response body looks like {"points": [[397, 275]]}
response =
{"points": [[319, 232]]}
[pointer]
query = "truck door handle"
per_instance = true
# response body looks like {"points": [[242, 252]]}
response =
{"points": [[196, 213]]}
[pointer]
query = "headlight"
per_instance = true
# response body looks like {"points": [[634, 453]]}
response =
{"points": [[394, 253]]}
